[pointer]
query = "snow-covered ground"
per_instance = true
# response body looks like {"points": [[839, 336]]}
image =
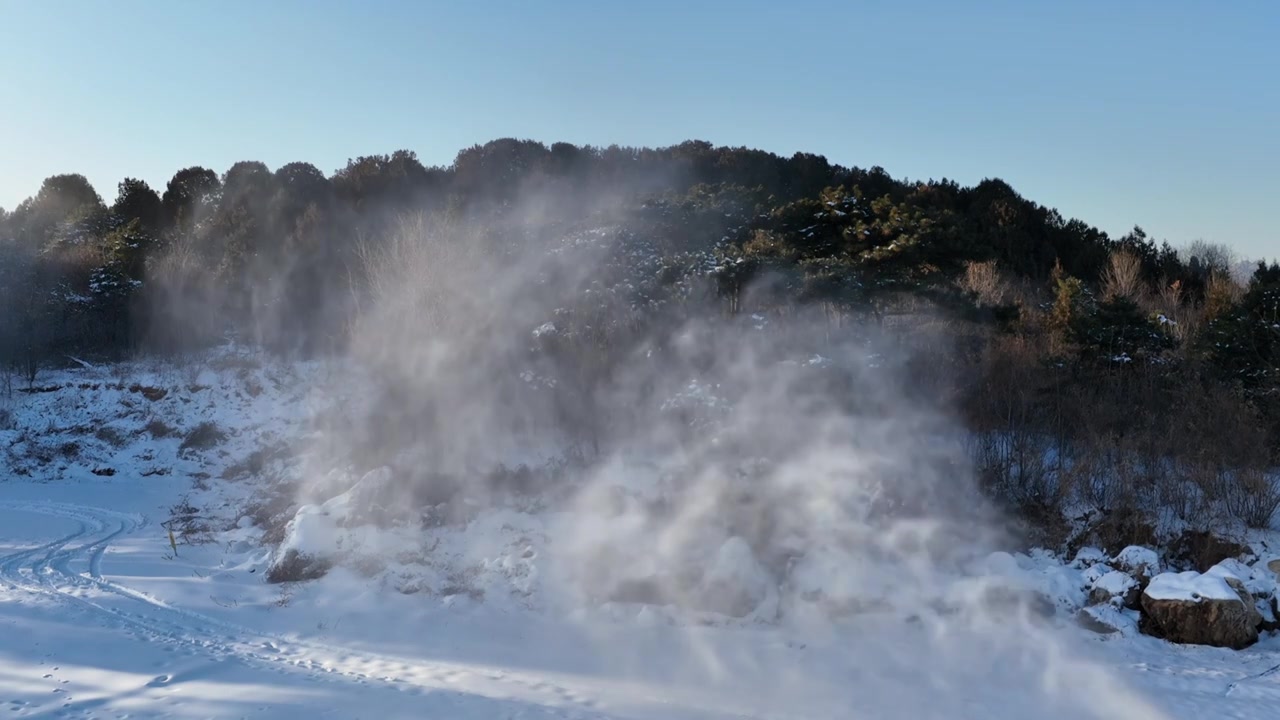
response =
{"points": [[102, 617]]}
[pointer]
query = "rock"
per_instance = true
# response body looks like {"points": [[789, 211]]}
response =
{"points": [[1139, 562], [1093, 573], [735, 584], [1200, 609], [1088, 557], [312, 542], [1274, 566], [1001, 600], [1269, 613], [294, 566], [1257, 581], [377, 499], [1115, 586], [1251, 605]]}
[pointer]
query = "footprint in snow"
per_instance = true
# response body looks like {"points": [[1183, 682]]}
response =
{"points": [[160, 681]]}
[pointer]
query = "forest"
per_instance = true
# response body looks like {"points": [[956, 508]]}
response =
{"points": [[1122, 371]]}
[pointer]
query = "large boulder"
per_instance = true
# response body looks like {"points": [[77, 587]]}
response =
{"points": [[312, 543], [1200, 609]]}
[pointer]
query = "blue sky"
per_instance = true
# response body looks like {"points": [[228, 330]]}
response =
{"points": [[1162, 114]]}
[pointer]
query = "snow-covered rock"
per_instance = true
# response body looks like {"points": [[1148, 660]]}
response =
{"points": [[1114, 587], [1087, 557], [312, 543], [1094, 573], [1201, 609], [1257, 580], [375, 500], [1139, 562], [735, 584]]}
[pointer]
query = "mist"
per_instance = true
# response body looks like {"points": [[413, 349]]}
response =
{"points": [[770, 467], [648, 399]]}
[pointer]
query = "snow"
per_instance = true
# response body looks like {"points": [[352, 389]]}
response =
{"points": [[1121, 620], [1191, 586], [100, 617]]}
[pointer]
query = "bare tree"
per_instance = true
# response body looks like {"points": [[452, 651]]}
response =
{"points": [[1123, 276], [983, 280], [1210, 257]]}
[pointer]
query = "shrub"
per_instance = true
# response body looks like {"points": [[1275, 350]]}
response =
{"points": [[202, 437], [159, 429], [110, 435], [151, 393]]}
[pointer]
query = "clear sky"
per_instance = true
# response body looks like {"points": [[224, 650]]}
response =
{"points": [[1161, 113]]}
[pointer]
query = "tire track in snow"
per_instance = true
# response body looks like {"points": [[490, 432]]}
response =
{"points": [[45, 570]]}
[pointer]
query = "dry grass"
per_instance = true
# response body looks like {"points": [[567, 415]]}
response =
{"points": [[1136, 442]]}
